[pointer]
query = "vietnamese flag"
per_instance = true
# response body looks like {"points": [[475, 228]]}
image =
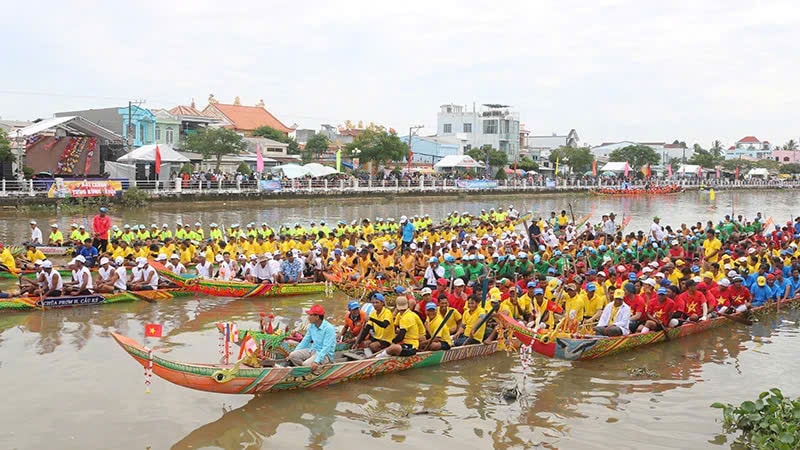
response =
{"points": [[158, 160], [152, 330]]}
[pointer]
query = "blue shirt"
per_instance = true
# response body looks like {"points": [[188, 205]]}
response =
{"points": [[408, 232], [291, 270], [321, 339], [795, 285], [761, 294], [89, 253]]}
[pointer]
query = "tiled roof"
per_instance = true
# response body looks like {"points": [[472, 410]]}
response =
{"points": [[248, 118], [749, 139], [182, 110]]}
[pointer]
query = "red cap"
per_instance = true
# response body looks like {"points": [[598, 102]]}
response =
{"points": [[317, 310], [770, 276], [441, 282]]}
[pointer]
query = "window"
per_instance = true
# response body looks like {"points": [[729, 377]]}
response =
{"points": [[490, 126], [785, 159], [142, 135], [448, 128], [467, 128], [167, 134], [504, 126], [158, 133]]}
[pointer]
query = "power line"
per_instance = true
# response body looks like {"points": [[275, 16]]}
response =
{"points": [[50, 94]]}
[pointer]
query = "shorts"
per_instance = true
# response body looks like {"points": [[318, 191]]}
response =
{"points": [[634, 324], [146, 288], [445, 345], [407, 350], [384, 344]]}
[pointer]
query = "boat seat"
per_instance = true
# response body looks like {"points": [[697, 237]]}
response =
{"points": [[353, 355]]}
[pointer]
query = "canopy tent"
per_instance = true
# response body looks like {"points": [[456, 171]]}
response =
{"points": [[758, 172], [615, 166], [318, 170], [291, 170], [146, 155], [457, 161], [688, 169], [119, 170]]}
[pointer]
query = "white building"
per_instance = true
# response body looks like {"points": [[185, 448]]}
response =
{"points": [[493, 124], [665, 151]]}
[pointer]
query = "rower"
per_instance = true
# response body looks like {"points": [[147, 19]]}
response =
{"points": [[174, 265], [409, 329], [33, 285], [318, 344], [109, 280], [467, 333], [56, 238], [615, 320], [36, 234], [145, 277], [54, 285], [291, 270], [81, 278], [354, 321], [203, 267], [659, 312], [381, 325]]}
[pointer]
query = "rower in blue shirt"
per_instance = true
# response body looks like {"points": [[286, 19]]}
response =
{"points": [[761, 292], [319, 343], [89, 252]]}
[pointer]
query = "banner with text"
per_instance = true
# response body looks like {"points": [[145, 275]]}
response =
{"points": [[269, 185], [476, 184], [84, 188]]}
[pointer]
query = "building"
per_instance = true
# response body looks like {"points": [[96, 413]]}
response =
{"points": [[785, 156], [749, 147], [139, 121], [494, 124], [431, 149], [301, 135], [167, 128], [538, 148], [243, 119], [191, 121], [665, 151]]}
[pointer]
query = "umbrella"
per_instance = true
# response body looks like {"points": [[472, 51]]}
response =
{"points": [[609, 173]]}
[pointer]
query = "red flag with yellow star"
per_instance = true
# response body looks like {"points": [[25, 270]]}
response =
{"points": [[152, 330]]}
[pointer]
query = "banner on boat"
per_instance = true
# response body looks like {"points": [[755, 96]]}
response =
{"points": [[62, 302], [269, 185], [476, 184], [84, 188]]}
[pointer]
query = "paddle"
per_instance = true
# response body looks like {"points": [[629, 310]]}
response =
{"points": [[439, 328], [736, 317], [486, 317], [572, 213]]}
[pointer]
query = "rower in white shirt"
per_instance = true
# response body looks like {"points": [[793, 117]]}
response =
{"points": [[224, 271], [174, 265], [36, 234], [82, 283], [203, 267]]}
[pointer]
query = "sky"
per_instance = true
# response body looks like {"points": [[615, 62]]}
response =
{"points": [[611, 69]]}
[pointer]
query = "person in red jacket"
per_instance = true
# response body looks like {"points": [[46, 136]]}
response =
{"points": [[100, 225]]}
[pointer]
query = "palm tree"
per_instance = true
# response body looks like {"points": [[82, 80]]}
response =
{"points": [[716, 149], [791, 145]]}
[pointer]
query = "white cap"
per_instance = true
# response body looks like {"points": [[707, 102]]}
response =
{"points": [[174, 256], [55, 225], [80, 259], [218, 258], [161, 257], [458, 282], [650, 282], [403, 219], [119, 260], [253, 256], [697, 279], [104, 260], [725, 282], [47, 264], [33, 222], [141, 260], [425, 291], [38, 262]]}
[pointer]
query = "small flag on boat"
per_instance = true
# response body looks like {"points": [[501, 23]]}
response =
{"points": [[248, 345], [152, 330]]}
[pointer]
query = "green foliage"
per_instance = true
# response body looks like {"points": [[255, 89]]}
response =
{"points": [[771, 422], [790, 145], [636, 155], [275, 135], [470, 173], [716, 149], [134, 197], [790, 168], [578, 158], [527, 164], [501, 174], [732, 164], [215, 143], [377, 145], [702, 157], [769, 164], [5, 147], [28, 172], [316, 146], [244, 169], [496, 157], [187, 168]]}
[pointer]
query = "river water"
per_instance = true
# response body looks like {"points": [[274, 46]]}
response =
{"points": [[68, 385]]}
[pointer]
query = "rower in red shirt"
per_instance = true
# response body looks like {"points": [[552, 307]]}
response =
{"points": [[458, 298], [695, 301], [740, 297], [637, 305], [659, 311]]}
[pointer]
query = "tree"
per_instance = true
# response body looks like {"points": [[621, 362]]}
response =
{"points": [[215, 143], [317, 145], [716, 149], [501, 174], [578, 158], [732, 164], [703, 157], [675, 163], [636, 155], [792, 168], [527, 164], [244, 169], [187, 168], [378, 146], [681, 143], [769, 164], [791, 145], [5, 147], [276, 135], [496, 158]]}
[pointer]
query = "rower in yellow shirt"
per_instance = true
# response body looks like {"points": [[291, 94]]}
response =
{"points": [[468, 332], [7, 260], [56, 238]]}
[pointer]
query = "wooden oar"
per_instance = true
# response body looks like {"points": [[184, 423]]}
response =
{"points": [[486, 317], [737, 317], [441, 325]]}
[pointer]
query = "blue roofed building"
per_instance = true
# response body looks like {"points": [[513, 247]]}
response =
{"points": [[431, 149]]}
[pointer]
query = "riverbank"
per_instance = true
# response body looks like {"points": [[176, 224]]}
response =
{"points": [[150, 193]]}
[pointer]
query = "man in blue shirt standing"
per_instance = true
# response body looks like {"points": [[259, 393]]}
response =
{"points": [[89, 252], [406, 232], [319, 343]]}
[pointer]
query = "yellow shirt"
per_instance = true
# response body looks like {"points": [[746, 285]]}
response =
{"points": [[471, 319], [409, 320], [35, 254], [576, 304], [383, 334], [710, 246], [514, 311], [444, 333], [7, 259], [56, 238], [594, 304], [186, 256]]}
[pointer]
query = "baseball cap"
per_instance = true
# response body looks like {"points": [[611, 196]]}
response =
{"points": [[378, 296], [430, 306], [425, 291], [104, 260], [352, 305], [401, 303], [761, 281], [47, 264], [458, 282], [619, 293], [317, 310], [662, 291]]}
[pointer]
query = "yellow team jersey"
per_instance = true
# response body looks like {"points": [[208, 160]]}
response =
{"points": [[410, 321], [471, 319], [35, 254], [444, 333], [380, 333], [594, 304], [710, 246]]}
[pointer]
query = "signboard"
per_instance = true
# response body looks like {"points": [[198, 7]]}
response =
{"points": [[476, 184], [84, 188], [269, 185], [550, 184], [63, 302]]}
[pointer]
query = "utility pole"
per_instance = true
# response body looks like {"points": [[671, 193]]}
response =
{"points": [[411, 132]]}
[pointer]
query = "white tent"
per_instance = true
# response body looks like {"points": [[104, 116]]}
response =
{"points": [[291, 170], [318, 170], [146, 155], [119, 170], [688, 169], [758, 172], [457, 161], [615, 166]]}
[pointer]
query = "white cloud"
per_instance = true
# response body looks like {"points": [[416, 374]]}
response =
{"points": [[614, 69]]}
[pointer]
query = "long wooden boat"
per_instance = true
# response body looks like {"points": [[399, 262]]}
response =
{"points": [[237, 379], [27, 303], [242, 289], [634, 192], [582, 348]]}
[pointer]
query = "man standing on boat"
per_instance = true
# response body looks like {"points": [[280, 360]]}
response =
{"points": [[406, 232], [100, 225], [319, 343]]}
